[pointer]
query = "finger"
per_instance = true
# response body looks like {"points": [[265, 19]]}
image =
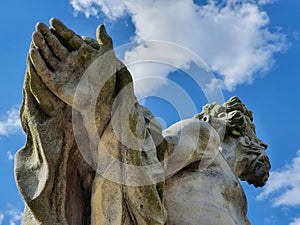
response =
{"points": [[40, 43], [42, 70], [54, 44], [35, 82], [67, 35], [46, 99], [103, 38], [91, 42]]}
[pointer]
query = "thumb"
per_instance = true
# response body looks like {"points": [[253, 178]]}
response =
{"points": [[103, 38]]}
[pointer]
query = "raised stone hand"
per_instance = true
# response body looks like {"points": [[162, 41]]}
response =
{"points": [[60, 57], [82, 73]]}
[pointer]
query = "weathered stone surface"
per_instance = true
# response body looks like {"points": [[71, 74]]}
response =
{"points": [[58, 185], [95, 156], [211, 194]]}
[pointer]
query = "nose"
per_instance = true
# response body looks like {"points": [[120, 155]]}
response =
{"points": [[263, 144]]}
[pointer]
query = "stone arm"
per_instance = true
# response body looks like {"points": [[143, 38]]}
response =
{"points": [[55, 191], [190, 141], [69, 77]]}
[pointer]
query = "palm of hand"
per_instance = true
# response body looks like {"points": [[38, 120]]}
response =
{"points": [[60, 57]]}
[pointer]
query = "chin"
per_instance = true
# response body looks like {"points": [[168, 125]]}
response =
{"points": [[260, 177], [258, 173], [258, 182]]}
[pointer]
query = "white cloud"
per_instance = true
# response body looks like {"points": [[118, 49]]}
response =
{"points": [[146, 71], [15, 216], [263, 2], [232, 36], [111, 8], [284, 185], [11, 122], [10, 156], [1, 218], [295, 222], [271, 220]]}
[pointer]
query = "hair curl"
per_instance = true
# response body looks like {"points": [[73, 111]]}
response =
{"points": [[233, 112]]}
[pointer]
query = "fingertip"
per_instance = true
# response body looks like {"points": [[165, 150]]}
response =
{"points": [[34, 55], [40, 26], [35, 38], [54, 22], [61, 29], [33, 52], [101, 29], [52, 19], [100, 32], [38, 39], [102, 36], [36, 35]]}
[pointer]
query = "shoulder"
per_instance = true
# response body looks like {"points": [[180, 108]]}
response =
{"points": [[194, 130], [190, 127]]}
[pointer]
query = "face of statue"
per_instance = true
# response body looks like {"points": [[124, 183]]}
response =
{"points": [[252, 163]]}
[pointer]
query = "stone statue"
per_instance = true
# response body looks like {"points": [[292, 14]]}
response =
{"points": [[213, 194], [119, 167]]}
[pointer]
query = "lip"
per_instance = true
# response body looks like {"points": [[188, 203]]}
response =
{"points": [[259, 162], [263, 172]]}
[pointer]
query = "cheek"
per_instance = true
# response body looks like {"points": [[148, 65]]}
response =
{"points": [[245, 163], [241, 165]]}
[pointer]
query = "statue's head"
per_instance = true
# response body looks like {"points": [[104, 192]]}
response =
{"points": [[245, 151]]}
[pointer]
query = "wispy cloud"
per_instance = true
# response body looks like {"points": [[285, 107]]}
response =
{"points": [[271, 220], [295, 222], [10, 156], [284, 185], [263, 2], [15, 216], [10, 123], [232, 36], [12, 216], [1, 218]]}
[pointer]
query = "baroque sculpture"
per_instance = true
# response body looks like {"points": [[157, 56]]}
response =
{"points": [[119, 167]]}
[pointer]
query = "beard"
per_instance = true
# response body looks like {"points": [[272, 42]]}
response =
{"points": [[257, 173]]}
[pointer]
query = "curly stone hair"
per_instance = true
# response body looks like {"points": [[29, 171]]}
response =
{"points": [[233, 113]]}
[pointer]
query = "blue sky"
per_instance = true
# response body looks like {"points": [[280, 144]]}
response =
{"points": [[253, 47]]}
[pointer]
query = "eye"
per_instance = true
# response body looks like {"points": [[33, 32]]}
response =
{"points": [[206, 119], [222, 115]]}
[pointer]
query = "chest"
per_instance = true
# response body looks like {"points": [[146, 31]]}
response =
{"points": [[209, 196]]}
